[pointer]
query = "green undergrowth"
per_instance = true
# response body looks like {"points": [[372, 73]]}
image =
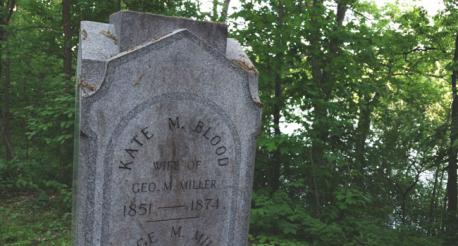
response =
{"points": [[31, 219]]}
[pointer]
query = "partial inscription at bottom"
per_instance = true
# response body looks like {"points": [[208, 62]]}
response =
{"points": [[176, 233], [172, 175]]}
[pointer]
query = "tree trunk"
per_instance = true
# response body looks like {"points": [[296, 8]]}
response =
{"points": [[324, 81], [433, 203], [225, 10], [275, 168], [362, 131], [366, 106], [316, 152], [452, 162], [66, 23], [5, 72], [214, 16], [276, 163], [443, 204], [117, 5], [5, 17]]}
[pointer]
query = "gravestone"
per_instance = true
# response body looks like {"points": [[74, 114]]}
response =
{"points": [[168, 113]]}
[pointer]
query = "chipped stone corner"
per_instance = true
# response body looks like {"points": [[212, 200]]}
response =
{"points": [[237, 55], [98, 43]]}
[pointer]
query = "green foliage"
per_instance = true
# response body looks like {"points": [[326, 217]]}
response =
{"points": [[381, 81], [368, 98], [184, 8]]}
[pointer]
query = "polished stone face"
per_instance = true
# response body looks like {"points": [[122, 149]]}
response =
{"points": [[167, 142]]}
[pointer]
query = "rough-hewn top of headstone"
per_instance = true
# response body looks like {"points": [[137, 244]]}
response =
{"points": [[134, 28]]}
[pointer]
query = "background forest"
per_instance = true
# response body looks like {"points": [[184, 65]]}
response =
{"points": [[360, 117]]}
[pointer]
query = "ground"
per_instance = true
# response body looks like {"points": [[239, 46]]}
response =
{"points": [[28, 219]]}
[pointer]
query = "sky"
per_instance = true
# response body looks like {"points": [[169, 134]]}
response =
{"points": [[432, 6]]}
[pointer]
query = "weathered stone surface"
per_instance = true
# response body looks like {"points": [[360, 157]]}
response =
{"points": [[97, 44], [167, 140], [135, 28]]}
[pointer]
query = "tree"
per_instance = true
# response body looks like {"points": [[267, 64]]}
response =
{"points": [[452, 228], [6, 13], [66, 23], [322, 58]]}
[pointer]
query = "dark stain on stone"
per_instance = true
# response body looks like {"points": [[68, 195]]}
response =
{"points": [[109, 35]]}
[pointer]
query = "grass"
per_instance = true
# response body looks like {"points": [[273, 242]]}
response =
{"points": [[33, 219]]}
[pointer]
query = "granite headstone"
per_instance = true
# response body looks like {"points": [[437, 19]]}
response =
{"points": [[168, 113]]}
